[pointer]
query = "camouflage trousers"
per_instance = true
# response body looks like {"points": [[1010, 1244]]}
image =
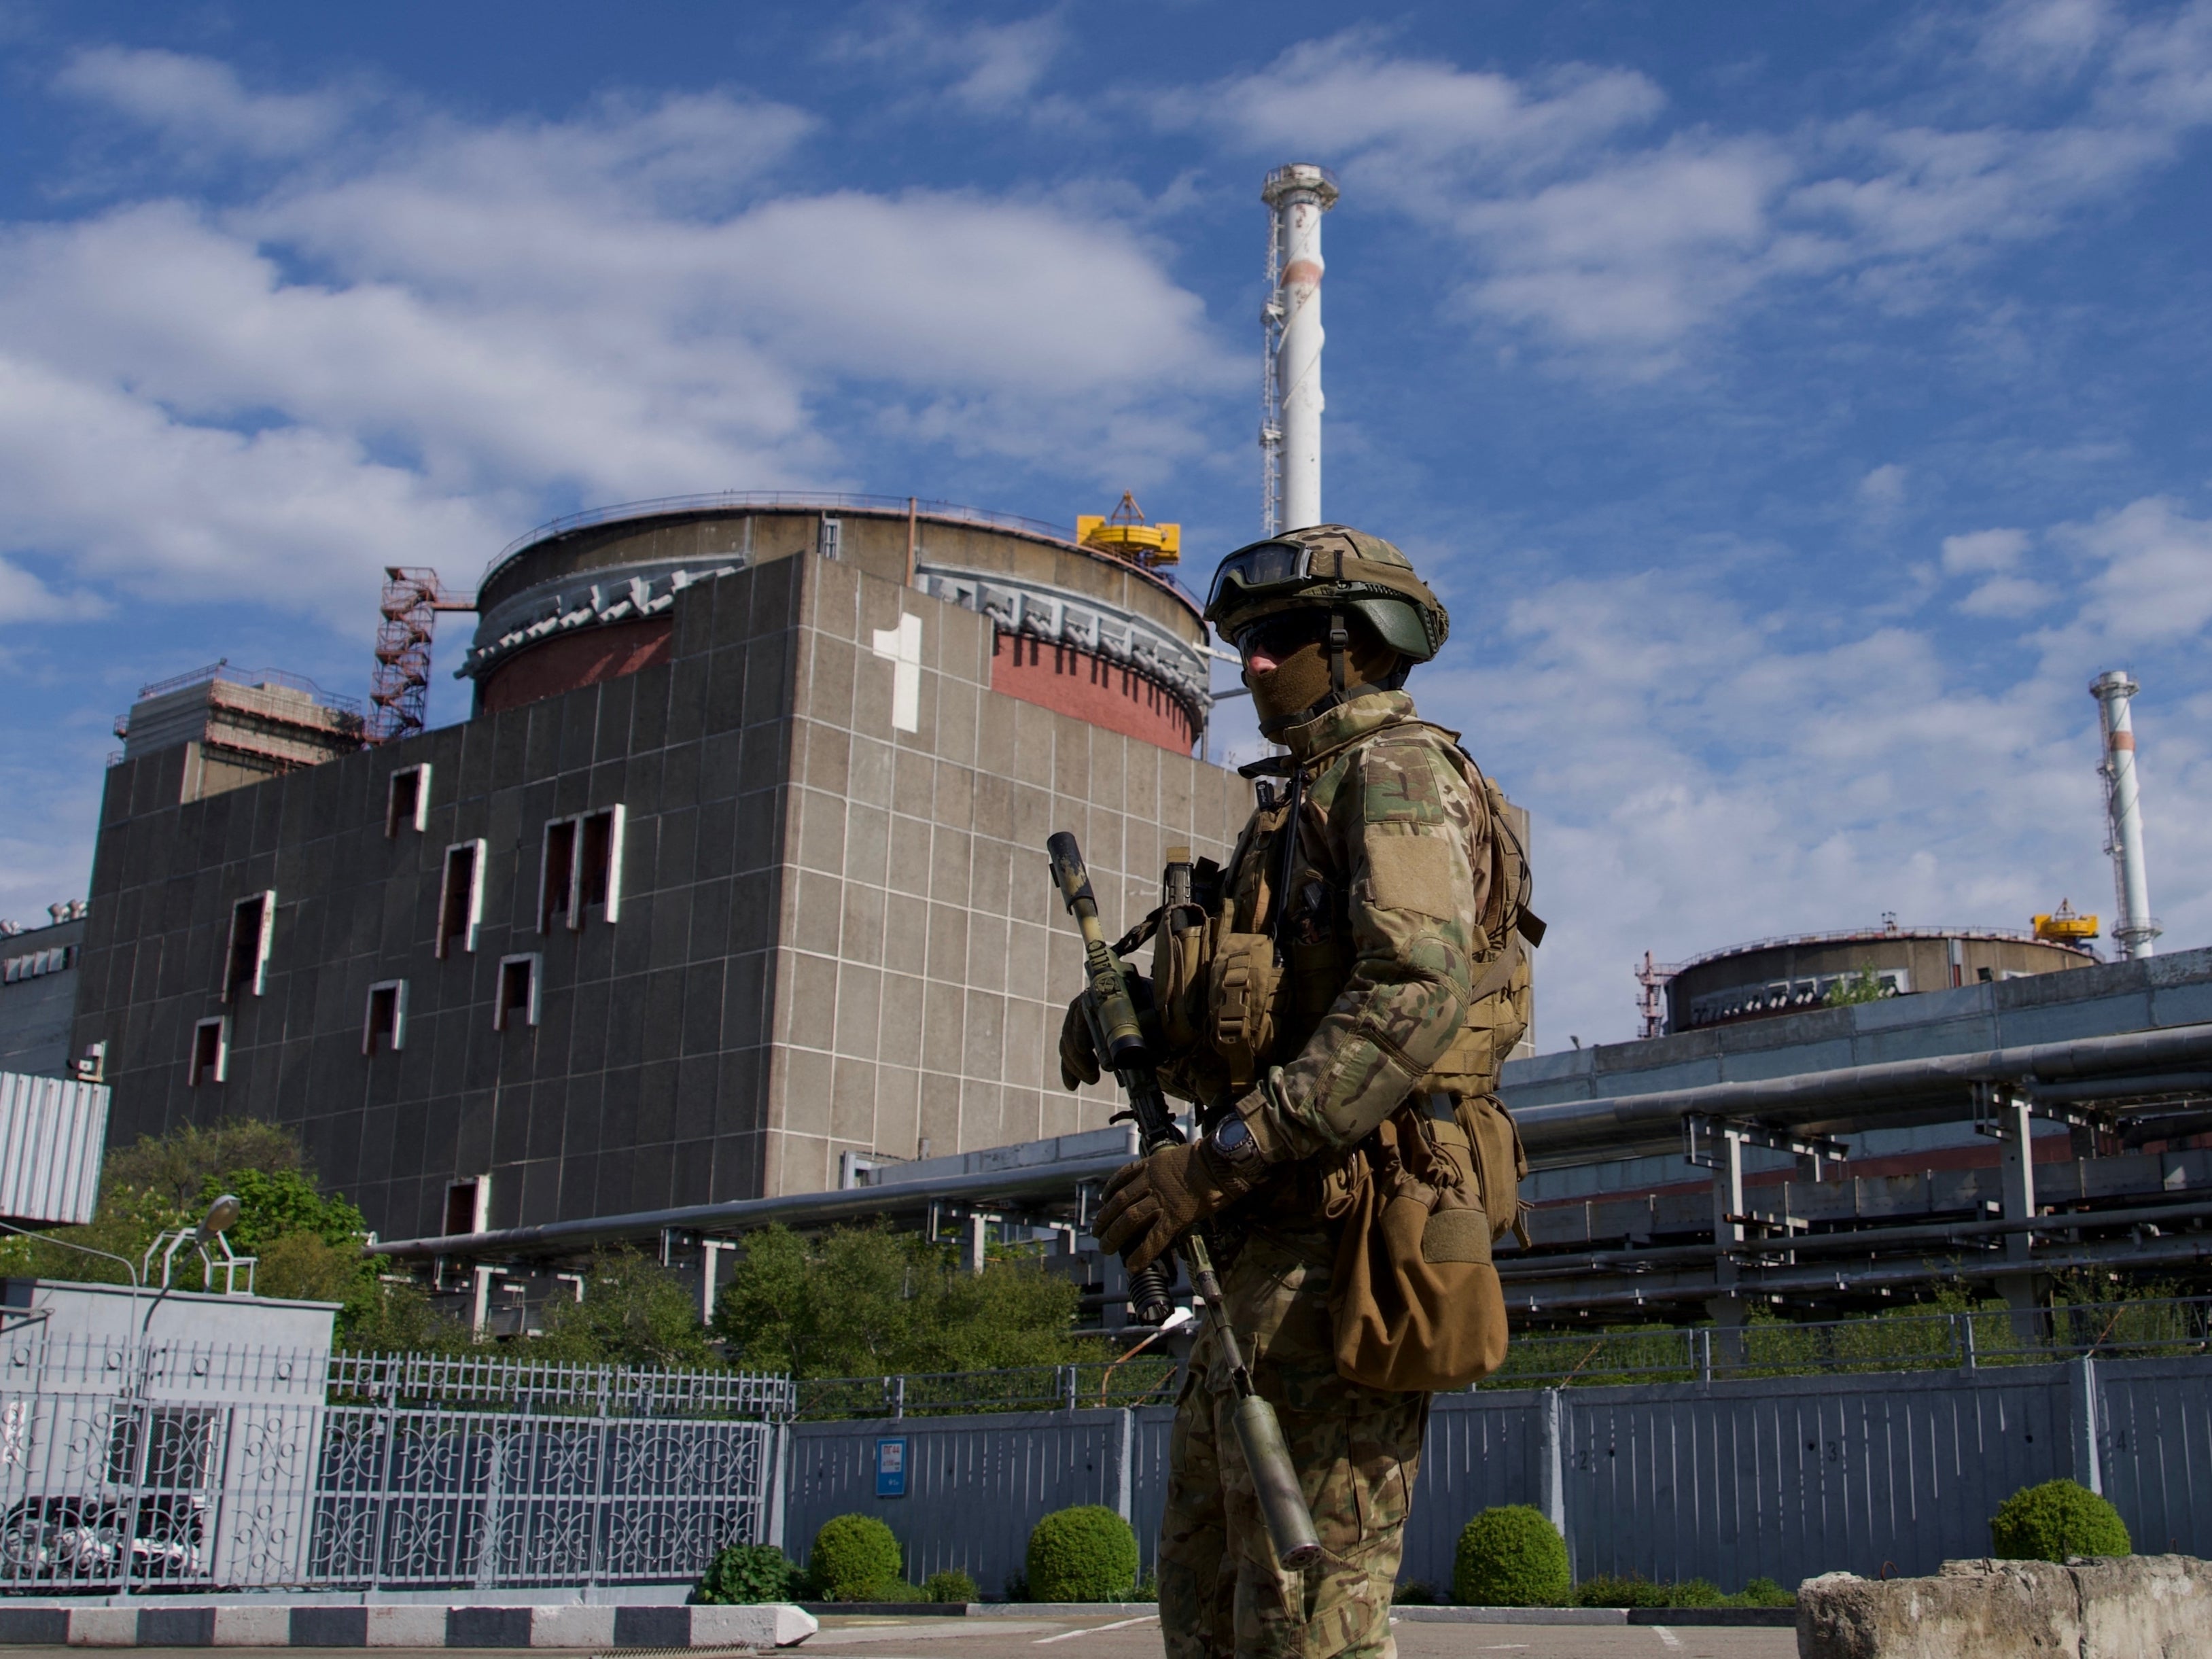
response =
{"points": [[1357, 1451]]}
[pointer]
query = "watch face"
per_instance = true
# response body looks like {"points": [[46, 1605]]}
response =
{"points": [[1231, 1136]]}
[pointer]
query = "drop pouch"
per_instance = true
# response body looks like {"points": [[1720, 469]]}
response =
{"points": [[1415, 1300]]}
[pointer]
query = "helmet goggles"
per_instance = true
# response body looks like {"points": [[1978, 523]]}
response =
{"points": [[1250, 573]]}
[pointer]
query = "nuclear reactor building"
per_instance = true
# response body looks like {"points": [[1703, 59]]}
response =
{"points": [[735, 870]]}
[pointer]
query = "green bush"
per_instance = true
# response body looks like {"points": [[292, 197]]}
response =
{"points": [[2055, 1520], [856, 1558], [949, 1585], [1763, 1593], [1413, 1593], [744, 1574], [1087, 1553], [1510, 1557], [1607, 1590]]}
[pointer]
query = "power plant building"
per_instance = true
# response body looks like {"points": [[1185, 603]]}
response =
{"points": [[735, 871]]}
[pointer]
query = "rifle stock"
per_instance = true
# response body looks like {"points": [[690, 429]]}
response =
{"points": [[1117, 1033]]}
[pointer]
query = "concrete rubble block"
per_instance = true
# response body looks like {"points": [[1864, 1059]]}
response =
{"points": [[2157, 1607], [571, 1627], [771, 1625], [2149, 1605], [405, 1626], [103, 1627]]}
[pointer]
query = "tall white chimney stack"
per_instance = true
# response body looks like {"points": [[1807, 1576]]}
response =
{"points": [[2123, 813], [1289, 433]]}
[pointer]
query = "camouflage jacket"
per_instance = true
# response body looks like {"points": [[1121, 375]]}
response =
{"points": [[1391, 881]]}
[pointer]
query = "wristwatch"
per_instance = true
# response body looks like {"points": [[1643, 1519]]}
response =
{"points": [[1233, 1143]]}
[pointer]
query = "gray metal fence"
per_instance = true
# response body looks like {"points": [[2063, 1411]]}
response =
{"points": [[1775, 1477]]}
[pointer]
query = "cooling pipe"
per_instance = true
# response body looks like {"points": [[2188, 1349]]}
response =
{"points": [[2135, 930]]}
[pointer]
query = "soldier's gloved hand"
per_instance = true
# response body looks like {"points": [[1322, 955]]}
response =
{"points": [[1151, 1203], [1078, 1057]]}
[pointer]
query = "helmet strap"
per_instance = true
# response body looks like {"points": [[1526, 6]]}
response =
{"points": [[1340, 641]]}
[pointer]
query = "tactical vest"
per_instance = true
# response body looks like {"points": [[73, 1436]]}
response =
{"points": [[1242, 979]]}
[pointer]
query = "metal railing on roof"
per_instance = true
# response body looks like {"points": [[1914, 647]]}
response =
{"points": [[801, 500], [1871, 936], [221, 669]]}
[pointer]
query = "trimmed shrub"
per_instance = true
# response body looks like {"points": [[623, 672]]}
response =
{"points": [[1413, 1593], [1607, 1590], [2055, 1520], [856, 1558], [1087, 1553], [1763, 1592], [949, 1585], [742, 1575], [1510, 1557]]}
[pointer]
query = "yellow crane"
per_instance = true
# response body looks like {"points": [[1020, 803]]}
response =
{"points": [[1126, 535], [2064, 926]]}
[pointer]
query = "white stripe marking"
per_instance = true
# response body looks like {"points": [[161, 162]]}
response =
{"points": [[1092, 1630], [1667, 1636]]}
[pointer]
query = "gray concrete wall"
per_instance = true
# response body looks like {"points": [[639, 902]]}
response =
{"points": [[36, 1010]]}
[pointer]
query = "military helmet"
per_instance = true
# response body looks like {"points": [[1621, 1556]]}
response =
{"points": [[1330, 566]]}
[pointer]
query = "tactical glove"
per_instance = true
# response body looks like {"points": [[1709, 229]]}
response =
{"points": [[1078, 1057], [1152, 1203]]}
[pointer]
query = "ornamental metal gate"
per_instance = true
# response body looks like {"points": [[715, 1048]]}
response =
{"points": [[127, 1465], [433, 1499]]}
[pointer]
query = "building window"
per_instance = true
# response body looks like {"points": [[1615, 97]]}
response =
{"points": [[210, 1051], [582, 869], [460, 897], [386, 1025], [468, 1204], [253, 925], [407, 800], [518, 993], [830, 538]]}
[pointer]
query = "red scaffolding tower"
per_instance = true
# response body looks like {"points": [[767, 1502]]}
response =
{"points": [[401, 684]]}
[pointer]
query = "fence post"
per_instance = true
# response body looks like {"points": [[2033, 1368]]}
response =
{"points": [[1705, 1354], [2088, 1466], [1551, 1464], [898, 1396], [1968, 1360], [1068, 1388]]}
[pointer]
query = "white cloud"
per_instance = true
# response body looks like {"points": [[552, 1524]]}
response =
{"points": [[988, 69], [1982, 551], [2008, 597], [197, 104], [1703, 773], [614, 306], [1599, 231], [1881, 492]]}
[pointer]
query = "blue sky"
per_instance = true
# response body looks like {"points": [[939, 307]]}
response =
{"points": [[1797, 405]]}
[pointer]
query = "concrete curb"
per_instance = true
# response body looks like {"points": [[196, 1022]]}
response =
{"points": [[266, 1625], [1688, 1618], [1510, 1615]]}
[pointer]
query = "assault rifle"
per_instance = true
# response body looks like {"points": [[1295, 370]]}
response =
{"points": [[1119, 1037]]}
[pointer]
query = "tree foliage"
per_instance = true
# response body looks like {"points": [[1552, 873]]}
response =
{"points": [[867, 1302], [635, 1312], [176, 1165]]}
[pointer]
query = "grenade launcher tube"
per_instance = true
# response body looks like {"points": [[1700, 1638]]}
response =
{"points": [[1118, 1035]]}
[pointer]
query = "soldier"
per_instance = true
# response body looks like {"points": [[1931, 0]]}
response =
{"points": [[1363, 955]]}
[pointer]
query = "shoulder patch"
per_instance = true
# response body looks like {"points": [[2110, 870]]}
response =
{"points": [[1418, 873], [1400, 782]]}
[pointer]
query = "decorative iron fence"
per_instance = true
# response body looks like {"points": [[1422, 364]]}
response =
{"points": [[127, 1465], [429, 1499]]}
